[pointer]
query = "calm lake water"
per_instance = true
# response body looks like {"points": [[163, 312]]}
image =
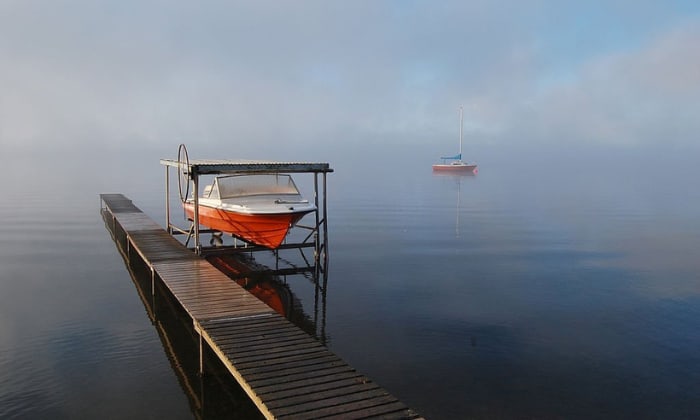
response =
{"points": [[522, 292]]}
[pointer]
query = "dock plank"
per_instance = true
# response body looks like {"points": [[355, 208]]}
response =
{"points": [[117, 203], [328, 400], [276, 392], [352, 408], [282, 334], [273, 361], [292, 387], [289, 371], [280, 368], [319, 392]]}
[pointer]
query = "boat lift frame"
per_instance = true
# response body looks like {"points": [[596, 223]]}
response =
{"points": [[190, 171]]}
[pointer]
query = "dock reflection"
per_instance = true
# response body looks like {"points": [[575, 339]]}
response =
{"points": [[216, 394], [213, 395]]}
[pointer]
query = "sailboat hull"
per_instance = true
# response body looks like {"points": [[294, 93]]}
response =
{"points": [[461, 168]]}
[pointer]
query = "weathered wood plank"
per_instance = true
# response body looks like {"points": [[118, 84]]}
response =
{"points": [[291, 386], [206, 288], [217, 326], [353, 408], [299, 377], [327, 400], [401, 414], [257, 330], [257, 333], [242, 325], [117, 203], [290, 389], [290, 371], [232, 297], [280, 334], [317, 392], [269, 347], [282, 367], [215, 313], [267, 355], [273, 360]]}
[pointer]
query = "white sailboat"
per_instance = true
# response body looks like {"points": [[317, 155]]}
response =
{"points": [[456, 164]]}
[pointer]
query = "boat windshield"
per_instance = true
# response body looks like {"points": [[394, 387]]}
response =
{"points": [[262, 184]]}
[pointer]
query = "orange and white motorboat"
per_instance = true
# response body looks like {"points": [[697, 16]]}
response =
{"points": [[259, 209]]}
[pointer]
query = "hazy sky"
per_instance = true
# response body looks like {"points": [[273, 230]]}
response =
{"points": [[263, 76]]}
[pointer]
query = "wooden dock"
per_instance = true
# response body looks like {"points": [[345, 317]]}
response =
{"points": [[285, 372]]}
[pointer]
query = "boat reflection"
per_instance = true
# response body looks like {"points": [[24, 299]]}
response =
{"points": [[455, 175], [271, 287], [457, 178]]}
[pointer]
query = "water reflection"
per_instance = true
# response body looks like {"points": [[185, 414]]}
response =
{"points": [[271, 286], [457, 178], [216, 394], [213, 395]]}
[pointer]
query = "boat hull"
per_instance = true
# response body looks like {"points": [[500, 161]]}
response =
{"points": [[454, 168], [268, 230]]}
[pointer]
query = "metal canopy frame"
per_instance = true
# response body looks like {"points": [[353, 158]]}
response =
{"points": [[193, 169]]}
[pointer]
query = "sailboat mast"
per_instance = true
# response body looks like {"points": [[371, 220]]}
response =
{"points": [[460, 131]]}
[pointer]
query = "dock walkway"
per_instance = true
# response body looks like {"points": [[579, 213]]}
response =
{"points": [[286, 372]]}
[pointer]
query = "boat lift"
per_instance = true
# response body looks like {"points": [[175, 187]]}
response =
{"points": [[189, 172]]}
